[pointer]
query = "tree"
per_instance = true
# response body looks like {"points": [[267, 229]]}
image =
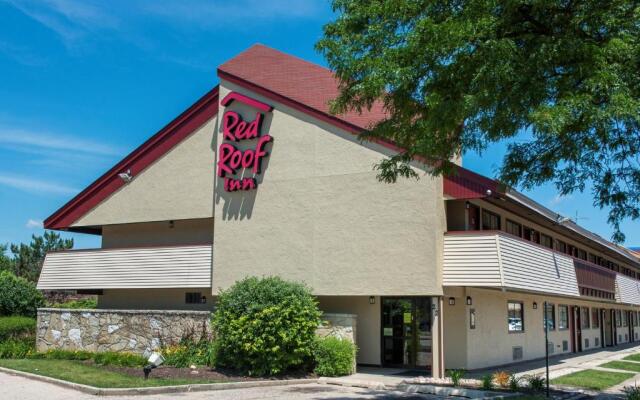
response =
{"points": [[28, 258], [457, 76], [5, 262]]}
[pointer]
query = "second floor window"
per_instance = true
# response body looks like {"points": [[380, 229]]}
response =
{"points": [[546, 241], [561, 246], [514, 228], [490, 221], [563, 317]]}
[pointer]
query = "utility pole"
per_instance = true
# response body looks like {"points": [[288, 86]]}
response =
{"points": [[546, 344]]}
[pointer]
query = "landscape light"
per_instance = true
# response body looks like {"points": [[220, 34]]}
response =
{"points": [[155, 360]]}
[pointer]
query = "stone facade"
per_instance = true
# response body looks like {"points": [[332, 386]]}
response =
{"points": [[342, 326], [136, 331]]}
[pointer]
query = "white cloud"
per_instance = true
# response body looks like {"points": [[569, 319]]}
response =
{"points": [[557, 199], [14, 138], [36, 185], [34, 224]]}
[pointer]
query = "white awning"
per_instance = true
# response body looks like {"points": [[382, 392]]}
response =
{"points": [[148, 267]]}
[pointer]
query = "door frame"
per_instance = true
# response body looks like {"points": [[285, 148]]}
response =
{"points": [[414, 331]]}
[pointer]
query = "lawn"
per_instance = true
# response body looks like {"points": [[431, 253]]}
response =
{"points": [[592, 379], [627, 366], [633, 357], [87, 374]]}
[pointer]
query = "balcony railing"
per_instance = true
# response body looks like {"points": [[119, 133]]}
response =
{"points": [[498, 259], [186, 266]]}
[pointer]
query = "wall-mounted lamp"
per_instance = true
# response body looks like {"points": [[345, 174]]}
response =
{"points": [[372, 300], [535, 305], [452, 301], [203, 300], [466, 205], [171, 224], [469, 301]]}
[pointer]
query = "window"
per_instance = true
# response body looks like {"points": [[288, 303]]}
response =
{"points": [[561, 246], [531, 235], [624, 318], [550, 316], [618, 319], [595, 317], [593, 258], [193, 298], [584, 318], [582, 254], [514, 228], [546, 241], [563, 317], [515, 317], [490, 221]]}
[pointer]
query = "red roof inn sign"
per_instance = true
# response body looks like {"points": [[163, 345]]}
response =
{"points": [[234, 130]]}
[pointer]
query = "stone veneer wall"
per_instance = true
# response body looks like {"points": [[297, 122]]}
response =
{"points": [[339, 325], [135, 331]]}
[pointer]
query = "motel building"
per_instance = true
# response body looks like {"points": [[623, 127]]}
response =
{"points": [[256, 178]]}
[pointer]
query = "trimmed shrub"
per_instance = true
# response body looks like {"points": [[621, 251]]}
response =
{"points": [[265, 326], [189, 352], [334, 356], [18, 348], [631, 392], [514, 383], [16, 327], [89, 303], [18, 296]]}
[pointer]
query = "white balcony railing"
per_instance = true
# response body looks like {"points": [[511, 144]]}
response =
{"points": [[148, 267], [496, 259]]}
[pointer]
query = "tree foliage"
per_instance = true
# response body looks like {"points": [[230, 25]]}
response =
{"points": [[459, 75], [18, 296], [26, 259], [265, 326]]}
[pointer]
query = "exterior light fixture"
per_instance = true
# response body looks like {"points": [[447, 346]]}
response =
{"points": [[466, 205], [469, 301], [203, 300], [155, 360], [535, 305], [126, 176], [372, 300], [171, 224], [452, 301]]}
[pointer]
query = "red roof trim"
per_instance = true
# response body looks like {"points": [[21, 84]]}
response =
{"points": [[246, 100], [333, 120], [466, 184], [139, 159]]}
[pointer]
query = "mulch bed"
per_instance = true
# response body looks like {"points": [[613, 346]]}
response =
{"points": [[201, 373]]}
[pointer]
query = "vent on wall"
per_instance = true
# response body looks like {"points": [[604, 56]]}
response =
{"points": [[565, 345], [586, 343], [517, 353], [596, 342]]}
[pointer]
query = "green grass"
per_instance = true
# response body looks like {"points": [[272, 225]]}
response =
{"points": [[592, 379], [627, 366], [15, 327], [87, 374], [633, 357]]}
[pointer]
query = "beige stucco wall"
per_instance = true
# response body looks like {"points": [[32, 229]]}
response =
{"points": [[152, 299], [368, 332], [183, 232], [491, 344], [320, 216], [177, 186]]}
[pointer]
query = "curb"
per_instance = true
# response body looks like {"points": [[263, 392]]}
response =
{"points": [[199, 387]]}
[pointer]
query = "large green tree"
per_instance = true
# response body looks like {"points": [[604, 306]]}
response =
{"points": [[457, 76], [27, 259]]}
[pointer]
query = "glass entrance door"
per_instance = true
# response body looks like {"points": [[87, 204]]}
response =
{"points": [[406, 332]]}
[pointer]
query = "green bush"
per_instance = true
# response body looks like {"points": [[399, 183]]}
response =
{"points": [[334, 356], [631, 392], [18, 296], [456, 376], [265, 326], [16, 327], [18, 348], [189, 352], [536, 383], [89, 303], [487, 382], [119, 359]]}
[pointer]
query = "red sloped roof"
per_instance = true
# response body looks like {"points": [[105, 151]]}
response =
{"points": [[295, 79], [139, 159]]}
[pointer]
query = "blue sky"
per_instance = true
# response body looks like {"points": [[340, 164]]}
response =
{"points": [[82, 83]]}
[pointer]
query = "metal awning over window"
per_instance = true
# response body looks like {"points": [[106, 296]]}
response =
{"points": [[124, 268]]}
